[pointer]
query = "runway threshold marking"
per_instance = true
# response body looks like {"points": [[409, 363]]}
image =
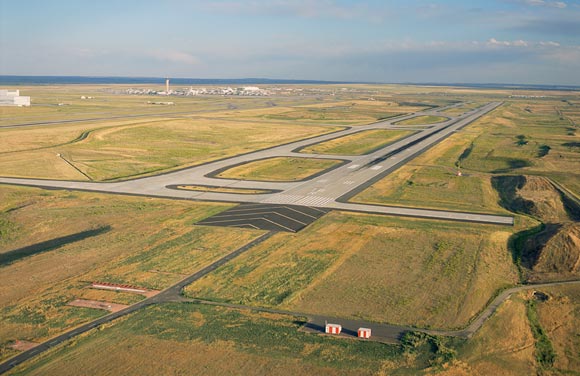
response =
{"points": [[267, 217], [298, 211]]}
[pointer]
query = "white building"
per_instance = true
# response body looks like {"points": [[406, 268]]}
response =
{"points": [[13, 98]]}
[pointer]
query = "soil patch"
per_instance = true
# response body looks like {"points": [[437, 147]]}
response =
{"points": [[22, 345], [113, 307]]}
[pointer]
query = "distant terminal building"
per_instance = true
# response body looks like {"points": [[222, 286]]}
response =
{"points": [[13, 98]]}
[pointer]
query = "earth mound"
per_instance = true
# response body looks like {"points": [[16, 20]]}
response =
{"points": [[554, 252], [533, 195]]}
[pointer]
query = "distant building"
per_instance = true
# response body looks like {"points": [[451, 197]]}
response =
{"points": [[13, 98]]}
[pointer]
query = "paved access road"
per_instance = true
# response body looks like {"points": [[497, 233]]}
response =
{"points": [[166, 295], [380, 332], [330, 189]]}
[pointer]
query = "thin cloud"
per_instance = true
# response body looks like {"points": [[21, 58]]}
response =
{"points": [[175, 57], [544, 3]]}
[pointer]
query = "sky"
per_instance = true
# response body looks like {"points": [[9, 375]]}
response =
{"points": [[491, 41]]}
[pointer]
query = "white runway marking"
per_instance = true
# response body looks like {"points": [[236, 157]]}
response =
{"points": [[314, 201], [376, 167], [283, 199], [353, 166], [348, 182]]}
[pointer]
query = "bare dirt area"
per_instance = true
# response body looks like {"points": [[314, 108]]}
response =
{"points": [[124, 288], [113, 307], [22, 345], [552, 251]]}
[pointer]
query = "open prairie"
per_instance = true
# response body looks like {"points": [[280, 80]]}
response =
{"points": [[369, 267], [120, 149], [413, 272], [53, 244], [521, 138], [172, 338]]}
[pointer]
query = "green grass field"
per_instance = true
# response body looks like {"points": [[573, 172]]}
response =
{"points": [[358, 143], [279, 169]]}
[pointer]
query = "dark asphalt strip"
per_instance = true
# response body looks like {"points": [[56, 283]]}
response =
{"points": [[165, 295]]}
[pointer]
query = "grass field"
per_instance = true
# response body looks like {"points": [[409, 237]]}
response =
{"points": [[488, 147], [424, 273], [279, 169], [527, 138], [504, 345], [355, 112], [559, 318], [507, 343], [358, 143], [431, 181], [185, 338], [414, 272], [111, 151], [155, 251], [462, 109], [421, 120]]}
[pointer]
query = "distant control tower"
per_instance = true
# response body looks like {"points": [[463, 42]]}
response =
{"points": [[167, 85]]}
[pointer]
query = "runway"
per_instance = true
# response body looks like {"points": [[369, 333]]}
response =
{"points": [[330, 189]]}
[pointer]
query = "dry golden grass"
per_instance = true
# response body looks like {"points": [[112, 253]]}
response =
{"points": [[431, 181], [154, 251], [185, 339], [279, 169], [414, 272], [503, 346], [560, 318], [358, 143], [420, 120], [137, 148]]}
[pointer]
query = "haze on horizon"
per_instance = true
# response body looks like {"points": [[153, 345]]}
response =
{"points": [[495, 41]]}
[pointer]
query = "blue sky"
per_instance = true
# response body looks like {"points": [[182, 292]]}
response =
{"points": [[494, 41]]}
